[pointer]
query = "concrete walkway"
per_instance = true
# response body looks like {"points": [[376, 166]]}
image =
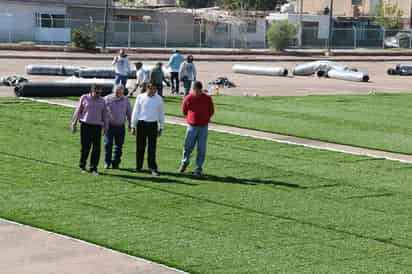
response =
{"points": [[276, 137], [27, 250]]}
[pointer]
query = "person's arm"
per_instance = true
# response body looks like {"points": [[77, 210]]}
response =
{"points": [[161, 114], [76, 114], [114, 61], [170, 61], [181, 69], [211, 107], [105, 117], [138, 79], [185, 106], [194, 72], [135, 113], [129, 114]]}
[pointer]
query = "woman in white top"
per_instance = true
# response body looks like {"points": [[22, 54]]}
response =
{"points": [[187, 73], [121, 69]]}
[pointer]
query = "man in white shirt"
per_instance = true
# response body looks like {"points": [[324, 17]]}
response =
{"points": [[142, 78], [147, 124]]}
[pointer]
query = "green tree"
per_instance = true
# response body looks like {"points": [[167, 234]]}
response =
{"points": [[388, 15], [280, 34], [131, 3], [251, 4], [196, 4]]}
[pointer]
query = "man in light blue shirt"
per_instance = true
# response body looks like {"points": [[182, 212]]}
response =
{"points": [[174, 64]]}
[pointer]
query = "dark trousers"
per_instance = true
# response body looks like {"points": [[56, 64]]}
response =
{"points": [[174, 78], [90, 135], [115, 135], [187, 84], [159, 89], [122, 80], [146, 132]]}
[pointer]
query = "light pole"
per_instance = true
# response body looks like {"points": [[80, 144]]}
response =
{"points": [[106, 13], [330, 26]]}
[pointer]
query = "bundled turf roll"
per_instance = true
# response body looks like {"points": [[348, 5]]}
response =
{"points": [[348, 75], [318, 67], [51, 70], [401, 69], [257, 70], [57, 89]]}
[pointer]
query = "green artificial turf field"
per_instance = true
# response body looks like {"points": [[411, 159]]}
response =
{"points": [[379, 121], [262, 208]]}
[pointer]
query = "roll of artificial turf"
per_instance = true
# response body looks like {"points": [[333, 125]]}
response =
{"points": [[57, 89]]}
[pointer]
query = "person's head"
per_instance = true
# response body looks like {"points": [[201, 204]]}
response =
{"points": [[122, 53], [159, 64], [189, 58], [151, 90], [118, 90], [198, 87], [95, 91], [175, 51], [138, 65]]}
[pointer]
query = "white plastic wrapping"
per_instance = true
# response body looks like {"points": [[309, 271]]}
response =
{"points": [[348, 75], [257, 70]]}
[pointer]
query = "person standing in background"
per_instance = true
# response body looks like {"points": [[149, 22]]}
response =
{"points": [[147, 124], [198, 108], [119, 109], [187, 73], [175, 61], [121, 69], [92, 114], [142, 78], [157, 77]]}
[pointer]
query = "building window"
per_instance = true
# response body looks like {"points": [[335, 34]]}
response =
{"points": [[251, 27], [221, 28], [138, 24], [45, 20]]}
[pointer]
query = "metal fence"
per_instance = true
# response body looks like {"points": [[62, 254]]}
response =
{"points": [[128, 33]]}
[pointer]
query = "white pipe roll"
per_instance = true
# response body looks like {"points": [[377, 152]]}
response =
{"points": [[311, 68], [256, 70], [348, 75]]}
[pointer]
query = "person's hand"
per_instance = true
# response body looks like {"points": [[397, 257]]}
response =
{"points": [[134, 131], [104, 131], [159, 133], [73, 128]]}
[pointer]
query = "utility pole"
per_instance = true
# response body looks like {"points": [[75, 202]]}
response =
{"points": [[300, 23], [330, 27], [106, 14]]}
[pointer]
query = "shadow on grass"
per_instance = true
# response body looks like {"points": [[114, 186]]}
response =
{"points": [[210, 178]]}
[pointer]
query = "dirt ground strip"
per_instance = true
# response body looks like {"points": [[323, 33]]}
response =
{"points": [[250, 84]]}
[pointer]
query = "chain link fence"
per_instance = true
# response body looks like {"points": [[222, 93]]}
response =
{"points": [[128, 33]]}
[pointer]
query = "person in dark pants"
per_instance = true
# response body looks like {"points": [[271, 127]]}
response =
{"points": [[174, 64], [119, 109], [157, 77], [147, 125], [92, 114]]}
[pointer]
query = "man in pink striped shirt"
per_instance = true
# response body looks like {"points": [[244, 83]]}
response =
{"points": [[92, 114]]}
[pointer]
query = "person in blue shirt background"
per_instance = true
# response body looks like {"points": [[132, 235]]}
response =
{"points": [[174, 64]]}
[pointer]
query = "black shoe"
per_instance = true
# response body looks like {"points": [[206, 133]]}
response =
{"points": [[115, 167], [197, 173], [182, 168], [138, 169]]}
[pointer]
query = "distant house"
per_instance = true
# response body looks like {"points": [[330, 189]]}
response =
{"points": [[224, 29]]}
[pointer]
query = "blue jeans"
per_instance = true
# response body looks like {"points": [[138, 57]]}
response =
{"points": [[116, 134], [121, 79], [187, 84], [195, 135]]}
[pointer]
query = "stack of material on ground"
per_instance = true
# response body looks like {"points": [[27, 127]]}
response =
{"points": [[331, 70], [259, 70], [58, 89], [84, 72], [401, 69], [12, 81]]}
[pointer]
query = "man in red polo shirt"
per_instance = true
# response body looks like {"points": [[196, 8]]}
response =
{"points": [[198, 108]]}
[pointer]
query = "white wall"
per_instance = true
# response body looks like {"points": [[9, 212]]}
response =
{"points": [[21, 24]]}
